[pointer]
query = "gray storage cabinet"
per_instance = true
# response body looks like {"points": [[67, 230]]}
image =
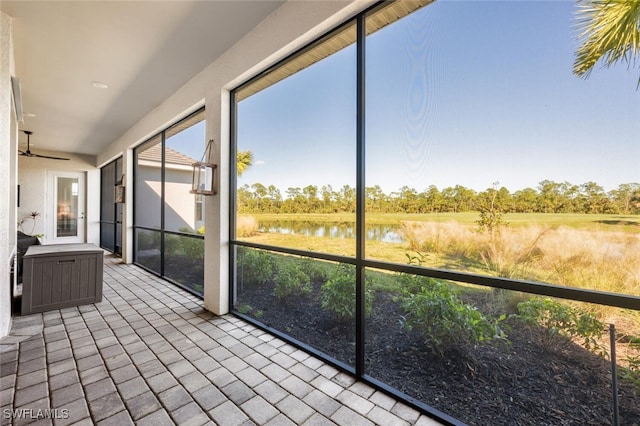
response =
{"points": [[61, 275]]}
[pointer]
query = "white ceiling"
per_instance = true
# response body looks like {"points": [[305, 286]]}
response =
{"points": [[143, 50]]}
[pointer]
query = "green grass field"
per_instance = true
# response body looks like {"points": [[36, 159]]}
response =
{"points": [[603, 222]]}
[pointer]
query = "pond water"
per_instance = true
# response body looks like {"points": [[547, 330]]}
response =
{"points": [[375, 232]]}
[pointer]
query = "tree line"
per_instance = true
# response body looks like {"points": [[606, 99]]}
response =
{"points": [[547, 197]]}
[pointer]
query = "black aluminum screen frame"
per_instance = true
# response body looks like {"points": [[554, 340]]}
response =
{"points": [[360, 261]]}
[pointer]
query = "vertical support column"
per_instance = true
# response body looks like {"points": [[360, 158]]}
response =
{"points": [[127, 214], [217, 211], [8, 160], [360, 196]]}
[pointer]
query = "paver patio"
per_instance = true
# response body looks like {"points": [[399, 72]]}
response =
{"points": [[150, 354]]}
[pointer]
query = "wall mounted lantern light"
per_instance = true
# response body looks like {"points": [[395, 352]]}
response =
{"points": [[204, 174], [119, 192]]}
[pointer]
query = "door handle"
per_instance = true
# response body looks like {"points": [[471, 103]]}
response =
{"points": [[82, 216]]}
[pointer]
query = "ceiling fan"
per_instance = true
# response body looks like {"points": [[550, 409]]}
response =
{"points": [[28, 152]]}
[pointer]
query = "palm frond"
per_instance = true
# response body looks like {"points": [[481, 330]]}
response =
{"points": [[244, 160], [608, 30]]}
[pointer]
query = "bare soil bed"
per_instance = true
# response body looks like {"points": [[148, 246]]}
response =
{"points": [[525, 384]]}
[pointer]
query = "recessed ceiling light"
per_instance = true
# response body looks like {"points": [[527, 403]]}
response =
{"points": [[99, 85], [28, 115]]}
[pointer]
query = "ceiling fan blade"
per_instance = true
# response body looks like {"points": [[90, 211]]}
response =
{"points": [[47, 156], [28, 152]]}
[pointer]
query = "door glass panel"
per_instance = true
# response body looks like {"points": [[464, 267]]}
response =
{"points": [[67, 207]]}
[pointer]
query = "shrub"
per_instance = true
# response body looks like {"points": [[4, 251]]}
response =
{"points": [[339, 294], [256, 267], [244, 309], [171, 244], [148, 240], [291, 281], [632, 371], [193, 248], [563, 321], [491, 208], [315, 269], [444, 320], [248, 310], [413, 284]]}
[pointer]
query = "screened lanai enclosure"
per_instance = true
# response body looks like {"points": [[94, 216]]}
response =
{"points": [[402, 216]]}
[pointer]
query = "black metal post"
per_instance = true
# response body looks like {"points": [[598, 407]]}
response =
{"points": [[614, 376], [360, 196], [233, 188], [162, 201]]}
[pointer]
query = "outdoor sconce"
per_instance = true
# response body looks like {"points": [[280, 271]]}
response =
{"points": [[204, 174], [119, 191]]}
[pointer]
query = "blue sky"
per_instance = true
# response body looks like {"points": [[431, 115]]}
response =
{"points": [[190, 141], [460, 92]]}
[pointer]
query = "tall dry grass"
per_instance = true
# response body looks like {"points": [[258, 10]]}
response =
{"points": [[246, 226], [600, 260], [597, 260], [440, 238]]}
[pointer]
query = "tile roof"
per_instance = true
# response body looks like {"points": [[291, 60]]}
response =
{"points": [[170, 155]]}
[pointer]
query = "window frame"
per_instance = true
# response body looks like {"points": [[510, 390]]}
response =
{"points": [[176, 127]]}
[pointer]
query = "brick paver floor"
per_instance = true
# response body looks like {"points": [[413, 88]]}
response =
{"points": [[149, 354]]}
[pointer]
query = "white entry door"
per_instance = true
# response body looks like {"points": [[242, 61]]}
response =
{"points": [[65, 218]]}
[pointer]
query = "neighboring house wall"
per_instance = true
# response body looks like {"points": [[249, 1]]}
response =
{"points": [[8, 155], [287, 29], [147, 194], [180, 203], [180, 211], [32, 178]]}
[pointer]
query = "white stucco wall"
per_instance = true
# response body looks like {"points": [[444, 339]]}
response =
{"points": [[180, 203], [289, 28], [8, 132], [180, 208], [34, 194], [148, 194]]}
